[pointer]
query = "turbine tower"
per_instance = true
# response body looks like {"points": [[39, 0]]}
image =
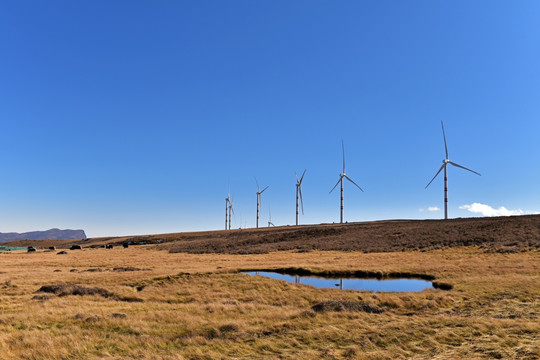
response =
{"points": [[299, 192], [444, 165], [341, 176], [259, 198]]}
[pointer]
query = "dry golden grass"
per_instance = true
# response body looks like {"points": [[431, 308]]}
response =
{"points": [[199, 307]]}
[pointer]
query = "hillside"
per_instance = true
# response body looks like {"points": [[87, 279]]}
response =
{"points": [[503, 234], [56, 234]]}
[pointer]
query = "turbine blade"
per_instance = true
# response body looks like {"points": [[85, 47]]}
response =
{"points": [[258, 189], [348, 178], [343, 148], [443, 165], [463, 167], [265, 189], [444, 137], [297, 181], [302, 178], [340, 178], [301, 201]]}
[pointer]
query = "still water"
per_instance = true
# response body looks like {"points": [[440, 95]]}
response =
{"points": [[391, 285]]}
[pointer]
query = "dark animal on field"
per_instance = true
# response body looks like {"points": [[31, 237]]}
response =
{"points": [[76, 247]]}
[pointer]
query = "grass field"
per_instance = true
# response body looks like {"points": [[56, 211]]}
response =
{"points": [[196, 306]]}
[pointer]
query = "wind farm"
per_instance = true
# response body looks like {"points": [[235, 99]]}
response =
{"points": [[135, 122]]}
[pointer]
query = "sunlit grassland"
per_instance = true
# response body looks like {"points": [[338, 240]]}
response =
{"points": [[199, 307]]}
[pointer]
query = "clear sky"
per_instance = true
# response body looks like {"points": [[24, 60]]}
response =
{"points": [[130, 117]]}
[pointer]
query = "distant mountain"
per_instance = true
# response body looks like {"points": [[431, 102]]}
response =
{"points": [[52, 234]]}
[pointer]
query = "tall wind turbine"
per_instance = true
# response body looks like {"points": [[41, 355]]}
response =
{"points": [[227, 202], [231, 211], [299, 192], [259, 198], [341, 176], [444, 165]]}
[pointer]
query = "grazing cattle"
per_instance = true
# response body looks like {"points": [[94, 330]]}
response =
{"points": [[63, 252], [76, 247], [52, 248], [109, 246], [125, 244], [31, 249]]}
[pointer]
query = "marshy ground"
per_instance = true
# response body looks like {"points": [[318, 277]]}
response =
{"points": [[145, 303]]}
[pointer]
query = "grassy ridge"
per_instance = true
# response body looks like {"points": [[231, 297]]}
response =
{"points": [[502, 234]]}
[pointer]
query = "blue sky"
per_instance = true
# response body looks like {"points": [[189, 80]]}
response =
{"points": [[130, 117]]}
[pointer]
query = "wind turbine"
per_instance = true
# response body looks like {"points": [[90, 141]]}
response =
{"points": [[341, 176], [231, 211], [299, 192], [259, 198], [444, 165], [270, 223], [227, 202]]}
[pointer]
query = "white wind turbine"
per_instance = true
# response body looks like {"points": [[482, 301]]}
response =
{"points": [[259, 198], [341, 176], [444, 165], [270, 223], [299, 193]]}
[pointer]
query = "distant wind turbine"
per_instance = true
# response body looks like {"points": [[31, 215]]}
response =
{"points": [[341, 176], [231, 211], [270, 223], [227, 204], [259, 198], [299, 193], [445, 163]]}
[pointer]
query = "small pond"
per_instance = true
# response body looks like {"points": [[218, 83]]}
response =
{"points": [[389, 285], [12, 248]]}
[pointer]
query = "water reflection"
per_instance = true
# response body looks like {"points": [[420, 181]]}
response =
{"points": [[390, 285]]}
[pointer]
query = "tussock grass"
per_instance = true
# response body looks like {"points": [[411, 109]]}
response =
{"points": [[200, 307]]}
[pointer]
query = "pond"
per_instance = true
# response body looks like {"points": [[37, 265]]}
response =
{"points": [[12, 248], [387, 285]]}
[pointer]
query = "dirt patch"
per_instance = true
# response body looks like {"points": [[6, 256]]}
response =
{"points": [[339, 306]]}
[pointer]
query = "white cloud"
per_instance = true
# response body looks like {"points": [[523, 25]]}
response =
{"points": [[421, 210], [487, 210], [433, 208]]}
